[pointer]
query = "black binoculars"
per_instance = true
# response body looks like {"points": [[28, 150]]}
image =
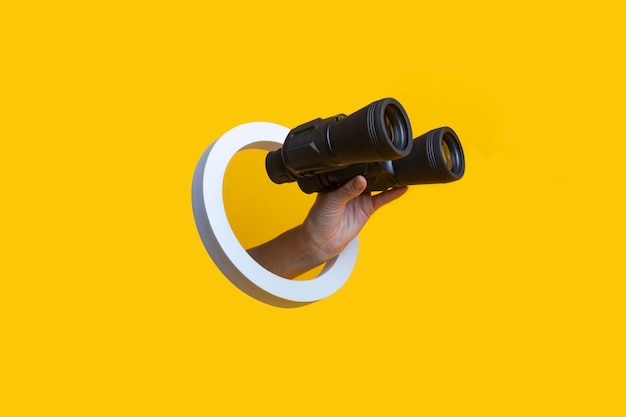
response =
{"points": [[376, 142]]}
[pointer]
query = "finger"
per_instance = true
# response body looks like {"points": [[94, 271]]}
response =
{"points": [[388, 196]]}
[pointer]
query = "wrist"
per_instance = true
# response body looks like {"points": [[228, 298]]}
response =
{"points": [[321, 247]]}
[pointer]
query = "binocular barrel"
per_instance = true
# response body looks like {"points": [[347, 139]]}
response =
{"points": [[380, 131], [435, 157]]}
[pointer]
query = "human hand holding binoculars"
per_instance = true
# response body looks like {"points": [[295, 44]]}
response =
{"points": [[375, 142]]}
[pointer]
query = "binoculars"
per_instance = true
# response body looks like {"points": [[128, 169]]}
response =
{"points": [[376, 142]]}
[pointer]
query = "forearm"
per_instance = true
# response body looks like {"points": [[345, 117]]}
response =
{"points": [[290, 254]]}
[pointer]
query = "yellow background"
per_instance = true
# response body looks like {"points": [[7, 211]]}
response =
{"points": [[501, 294]]}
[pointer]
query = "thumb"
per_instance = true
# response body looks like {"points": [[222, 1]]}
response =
{"points": [[348, 191]]}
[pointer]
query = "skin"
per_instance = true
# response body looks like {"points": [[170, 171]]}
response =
{"points": [[335, 219]]}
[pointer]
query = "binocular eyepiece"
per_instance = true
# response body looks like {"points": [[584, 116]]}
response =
{"points": [[376, 142]]}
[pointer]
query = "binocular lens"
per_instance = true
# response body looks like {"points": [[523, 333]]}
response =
{"points": [[396, 127], [389, 127], [447, 157], [452, 153]]}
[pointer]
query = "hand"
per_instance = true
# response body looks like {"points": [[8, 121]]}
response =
{"points": [[338, 216], [334, 220]]}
